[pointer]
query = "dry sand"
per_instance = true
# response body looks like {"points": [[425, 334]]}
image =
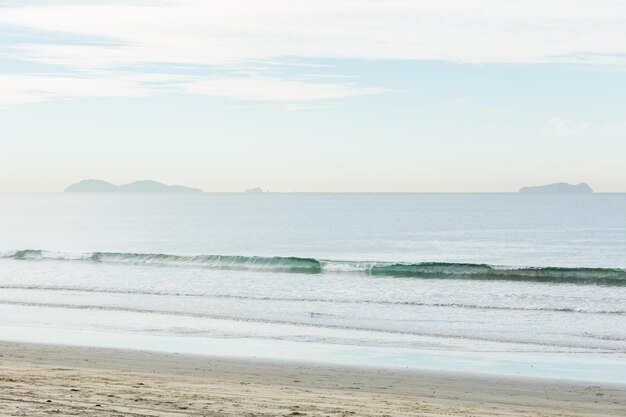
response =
{"points": [[38, 380]]}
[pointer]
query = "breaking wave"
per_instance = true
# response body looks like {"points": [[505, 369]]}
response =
{"points": [[425, 270]]}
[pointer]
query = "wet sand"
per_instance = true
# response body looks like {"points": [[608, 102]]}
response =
{"points": [[42, 380]]}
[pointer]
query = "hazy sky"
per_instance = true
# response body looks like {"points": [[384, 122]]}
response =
{"points": [[319, 95]]}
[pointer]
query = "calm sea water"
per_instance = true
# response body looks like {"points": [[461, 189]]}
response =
{"points": [[501, 283]]}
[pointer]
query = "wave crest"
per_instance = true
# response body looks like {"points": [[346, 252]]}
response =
{"points": [[436, 270]]}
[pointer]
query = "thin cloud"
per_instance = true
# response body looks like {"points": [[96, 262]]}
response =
{"points": [[120, 39], [564, 128], [267, 89], [23, 89], [214, 32]]}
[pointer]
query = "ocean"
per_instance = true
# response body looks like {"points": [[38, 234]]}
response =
{"points": [[506, 284]]}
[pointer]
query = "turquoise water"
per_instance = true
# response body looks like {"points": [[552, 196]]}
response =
{"points": [[500, 283]]}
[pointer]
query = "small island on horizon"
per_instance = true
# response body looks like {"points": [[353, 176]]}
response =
{"points": [[255, 190], [558, 188], [142, 186]]}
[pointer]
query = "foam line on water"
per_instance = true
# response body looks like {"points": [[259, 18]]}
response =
{"points": [[424, 270]]}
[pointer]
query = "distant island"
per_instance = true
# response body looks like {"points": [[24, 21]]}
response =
{"points": [[145, 186], [558, 188], [255, 190]]}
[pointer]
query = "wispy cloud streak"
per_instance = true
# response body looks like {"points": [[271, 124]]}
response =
{"points": [[123, 37]]}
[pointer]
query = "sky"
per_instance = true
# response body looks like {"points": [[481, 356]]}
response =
{"points": [[314, 95]]}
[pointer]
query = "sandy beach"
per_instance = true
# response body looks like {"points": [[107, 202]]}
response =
{"points": [[38, 380]]}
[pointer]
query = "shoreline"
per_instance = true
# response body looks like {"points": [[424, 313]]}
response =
{"points": [[38, 379], [588, 368]]}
